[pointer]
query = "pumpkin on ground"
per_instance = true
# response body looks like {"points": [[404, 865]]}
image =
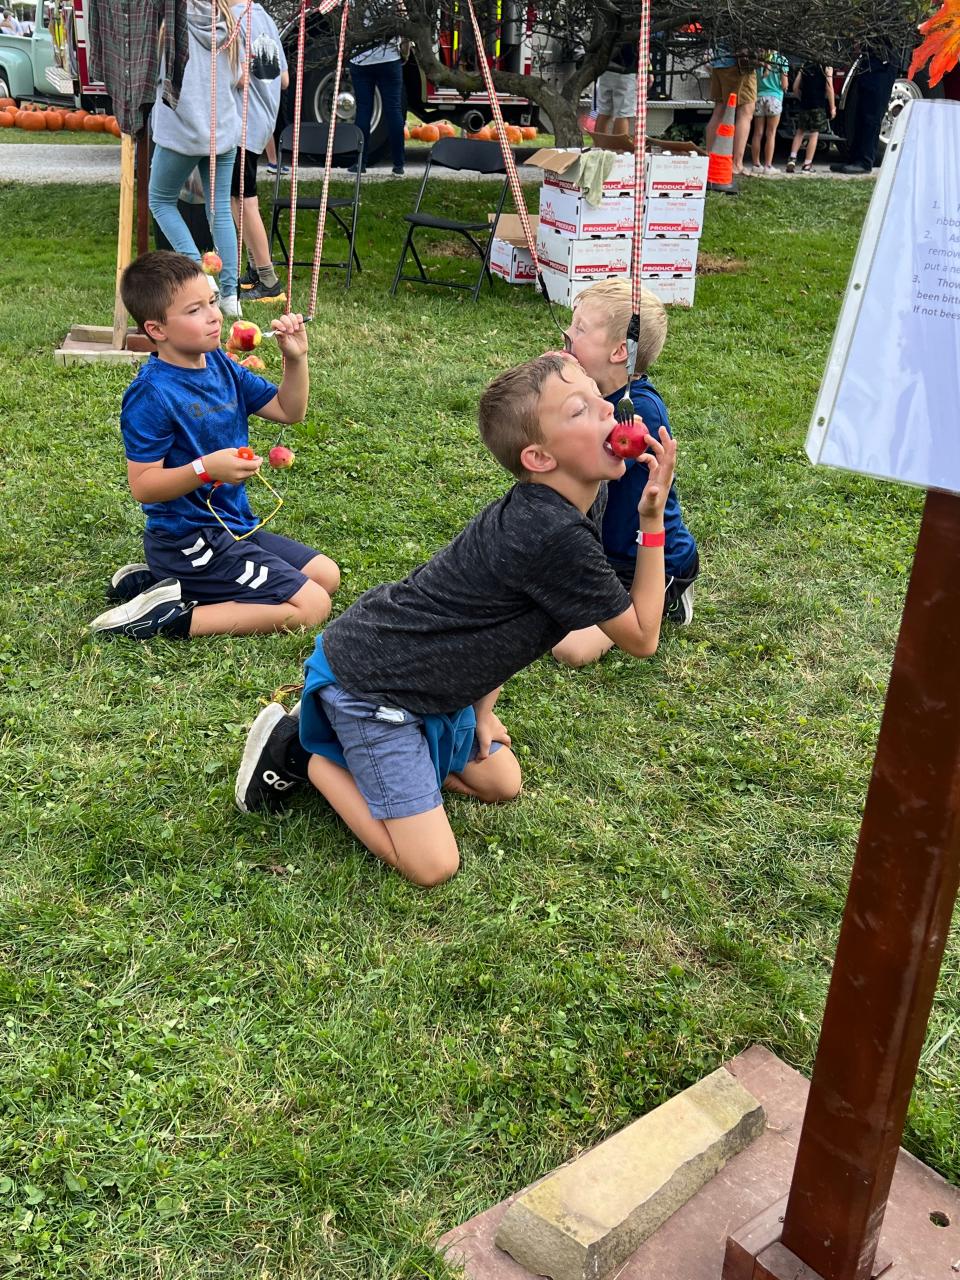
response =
{"points": [[429, 133], [32, 121], [446, 129], [74, 119], [112, 125], [6, 119], [53, 119], [529, 132], [93, 124], [8, 104], [514, 135]]}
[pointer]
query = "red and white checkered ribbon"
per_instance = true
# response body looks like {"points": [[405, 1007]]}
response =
{"points": [[508, 158], [215, 52], [639, 153], [243, 134], [328, 163]]}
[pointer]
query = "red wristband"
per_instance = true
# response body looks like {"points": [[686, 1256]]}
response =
{"points": [[200, 469], [652, 539]]}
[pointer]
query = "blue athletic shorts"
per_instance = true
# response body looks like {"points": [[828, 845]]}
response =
{"points": [[386, 752], [212, 567]]}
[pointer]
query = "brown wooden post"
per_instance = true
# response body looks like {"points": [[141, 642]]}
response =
{"points": [[143, 185], [898, 911]]}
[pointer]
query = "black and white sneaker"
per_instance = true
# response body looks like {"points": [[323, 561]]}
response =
{"points": [[680, 611], [249, 278], [130, 581], [264, 780], [160, 609], [266, 292]]}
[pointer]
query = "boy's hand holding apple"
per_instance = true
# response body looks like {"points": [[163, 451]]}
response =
{"points": [[232, 466]]}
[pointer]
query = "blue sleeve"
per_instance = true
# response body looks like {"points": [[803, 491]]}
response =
{"points": [[651, 409], [253, 392], [145, 424]]}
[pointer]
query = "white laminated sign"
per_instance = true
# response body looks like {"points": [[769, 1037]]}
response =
{"points": [[888, 404]]}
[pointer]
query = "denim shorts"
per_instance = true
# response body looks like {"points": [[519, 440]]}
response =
{"points": [[386, 752]]}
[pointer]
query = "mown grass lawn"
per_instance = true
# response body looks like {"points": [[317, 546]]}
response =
{"points": [[239, 1047]]}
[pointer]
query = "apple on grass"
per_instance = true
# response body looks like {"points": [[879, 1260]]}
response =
{"points": [[628, 439], [232, 355], [281, 456], [254, 363], [211, 262]]}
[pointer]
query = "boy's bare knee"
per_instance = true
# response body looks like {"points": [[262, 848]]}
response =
{"points": [[573, 653], [325, 572], [432, 868], [311, 605]]}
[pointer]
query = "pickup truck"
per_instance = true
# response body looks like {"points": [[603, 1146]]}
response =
{"points": [[50, 64]]}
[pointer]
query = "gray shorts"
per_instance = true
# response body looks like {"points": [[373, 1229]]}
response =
{"points": [[386, 752], [617, 95]]}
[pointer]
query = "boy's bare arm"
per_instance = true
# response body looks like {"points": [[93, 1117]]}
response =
{"points": [[153, 482], [637, 630], [290, 402]]}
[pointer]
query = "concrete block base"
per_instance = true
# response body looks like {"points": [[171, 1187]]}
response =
{"points": [[921, 1231]]}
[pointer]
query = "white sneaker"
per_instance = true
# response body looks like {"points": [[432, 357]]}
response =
{"points": [[770, 170], [230, 306]]}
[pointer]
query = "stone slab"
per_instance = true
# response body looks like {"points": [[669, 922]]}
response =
{"points": [[690, 1244], [586, 1218]]}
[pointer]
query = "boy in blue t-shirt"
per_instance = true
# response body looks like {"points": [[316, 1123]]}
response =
{"points": [[597, 338], [210, 569]]}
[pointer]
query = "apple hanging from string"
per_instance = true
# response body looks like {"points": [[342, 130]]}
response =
{"points": [[628, 439], [211, 263], [280, 456]]}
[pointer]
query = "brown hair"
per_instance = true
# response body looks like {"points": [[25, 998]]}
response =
{"points": [[150, 282], [611, 300], [509, 414]]}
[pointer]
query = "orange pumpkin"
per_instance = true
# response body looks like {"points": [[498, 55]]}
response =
{"points": [[93, 124], [415, 131], [112, 125], [482, 135], [8, 104], [53, 120], [446, 129], [529, 132], [429, 133], [33, 121], [514, 135], [6, 119], [73, 120]]}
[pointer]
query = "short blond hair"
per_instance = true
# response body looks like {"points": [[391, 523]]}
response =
{"points": [[509, 413], [611, 300]]}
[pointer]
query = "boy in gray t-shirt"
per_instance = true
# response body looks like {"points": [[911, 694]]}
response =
{"points": [[400, 690]]}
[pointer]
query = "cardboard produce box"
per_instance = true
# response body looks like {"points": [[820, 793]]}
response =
{"points": [[673, 217], [672, 292], [565, 290], [585, 259], [573, 215], [677, 176], [509, 256], [668, 259], [559, 166]]}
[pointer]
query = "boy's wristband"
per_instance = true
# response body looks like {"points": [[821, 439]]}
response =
{"points": [[201, 470], [652, 539]]}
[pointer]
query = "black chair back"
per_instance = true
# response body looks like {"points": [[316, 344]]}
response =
{"points": [[347, 140], [468, 154]]}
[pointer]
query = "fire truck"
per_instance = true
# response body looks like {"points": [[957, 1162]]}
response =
{"points": [[47, 60], [511, 45]]}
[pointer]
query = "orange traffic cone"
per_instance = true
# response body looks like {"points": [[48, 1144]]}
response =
{"points": [[720, 165]]}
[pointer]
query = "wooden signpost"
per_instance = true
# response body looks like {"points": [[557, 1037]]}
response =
{"points": [[889, 407]]}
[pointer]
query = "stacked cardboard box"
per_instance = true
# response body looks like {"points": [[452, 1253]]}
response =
{"points": [[579, 242]]}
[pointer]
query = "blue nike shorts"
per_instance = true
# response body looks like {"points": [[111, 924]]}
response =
{"points": [[212, 567]]}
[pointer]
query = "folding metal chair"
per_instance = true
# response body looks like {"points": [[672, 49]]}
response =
{"points": [[347, 149], [468, 156]]}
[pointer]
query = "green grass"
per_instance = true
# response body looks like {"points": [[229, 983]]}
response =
{"points": [[69, 136], [239, 1047]]}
